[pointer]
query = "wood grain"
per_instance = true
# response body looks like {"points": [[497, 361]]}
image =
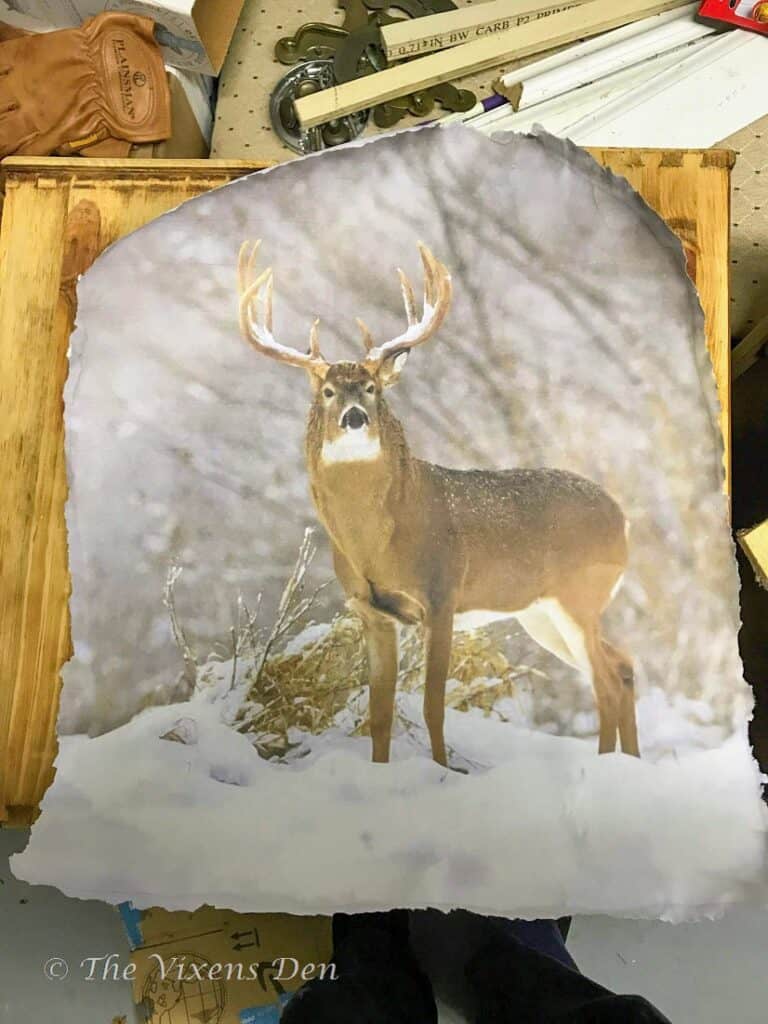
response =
{"points": [[44, 220], [35, 323], [690, 190]]}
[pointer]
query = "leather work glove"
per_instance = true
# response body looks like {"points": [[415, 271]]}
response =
{"points": [[102, 85]]}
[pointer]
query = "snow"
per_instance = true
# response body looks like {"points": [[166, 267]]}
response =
{"points": [[309, 635], [199, 817]]}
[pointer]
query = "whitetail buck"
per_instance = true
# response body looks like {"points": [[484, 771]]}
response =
{"points": [[418, 543]]}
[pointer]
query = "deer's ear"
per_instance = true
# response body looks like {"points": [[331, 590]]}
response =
{"points": [[390, 372]]}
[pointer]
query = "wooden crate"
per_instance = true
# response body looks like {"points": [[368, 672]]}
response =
{"points": [[58, 214]]}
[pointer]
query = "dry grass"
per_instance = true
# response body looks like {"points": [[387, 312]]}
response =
{"points": [[305, 690], [324, 684], [308, 690]]}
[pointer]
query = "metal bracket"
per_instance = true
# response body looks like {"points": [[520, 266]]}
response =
{"points": [[307, 77]]}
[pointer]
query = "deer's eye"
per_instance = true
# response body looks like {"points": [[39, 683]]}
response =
{"points": [[371, 389], [329, 392]]}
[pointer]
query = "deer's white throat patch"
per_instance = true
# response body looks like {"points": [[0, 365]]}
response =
{"points": [[352, 446]]}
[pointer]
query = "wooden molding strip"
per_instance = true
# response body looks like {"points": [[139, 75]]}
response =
{"points": [[703, 53], [86, 169], [556, 30], [556, 115], [602, 57], [412, 37]]}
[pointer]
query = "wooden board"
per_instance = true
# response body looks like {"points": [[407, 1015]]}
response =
{"points": [[589, 19], [59, 213], [409, 37]]}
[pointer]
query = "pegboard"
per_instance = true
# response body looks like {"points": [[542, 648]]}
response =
{"points": [[749, 227], [241, 128]]}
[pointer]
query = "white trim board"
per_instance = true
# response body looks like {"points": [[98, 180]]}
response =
{"points": [[650, 105], [591, 45], [559, 113], [535, 84], [716, 99]]}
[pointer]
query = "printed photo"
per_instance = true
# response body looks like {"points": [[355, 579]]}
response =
{"points": [[401, 565]]}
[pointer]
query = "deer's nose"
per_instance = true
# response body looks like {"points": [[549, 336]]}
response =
{"points": [[354, 418]]}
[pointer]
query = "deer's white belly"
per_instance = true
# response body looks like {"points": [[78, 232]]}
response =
{"points": [[463, 622], [351, 446], [545, 621]]}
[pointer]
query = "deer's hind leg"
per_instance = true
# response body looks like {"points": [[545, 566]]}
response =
{"points": [[573, 635], [607, 686], [608, 668], [627, 714], [611, 674], [438, 635], [580, 635]]}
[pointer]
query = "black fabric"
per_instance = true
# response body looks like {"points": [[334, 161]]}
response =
{"points": [[513, 984], [540, 936], [378, 980]]}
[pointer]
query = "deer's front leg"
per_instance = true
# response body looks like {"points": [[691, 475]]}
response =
{"points": [[438, 636], [380, 634], [381, 648]]}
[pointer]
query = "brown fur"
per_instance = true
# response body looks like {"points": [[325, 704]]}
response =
{"points": [[416, 542]]}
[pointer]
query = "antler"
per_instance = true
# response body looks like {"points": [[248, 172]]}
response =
{"points": [[256, 322], [437, 302]]}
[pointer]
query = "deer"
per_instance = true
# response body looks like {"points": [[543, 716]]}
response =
{"points": [[418, 543]]}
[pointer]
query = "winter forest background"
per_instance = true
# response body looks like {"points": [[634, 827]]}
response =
{"points": [[575, 340]]}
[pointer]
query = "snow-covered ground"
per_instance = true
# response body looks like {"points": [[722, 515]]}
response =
{"points": [[539, 826]]}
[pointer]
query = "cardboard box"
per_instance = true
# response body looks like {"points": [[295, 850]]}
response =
{"points": [[217, 965], [194, 34]]}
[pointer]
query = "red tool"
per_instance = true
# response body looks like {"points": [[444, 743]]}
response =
{"points": [[752, 14]]}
